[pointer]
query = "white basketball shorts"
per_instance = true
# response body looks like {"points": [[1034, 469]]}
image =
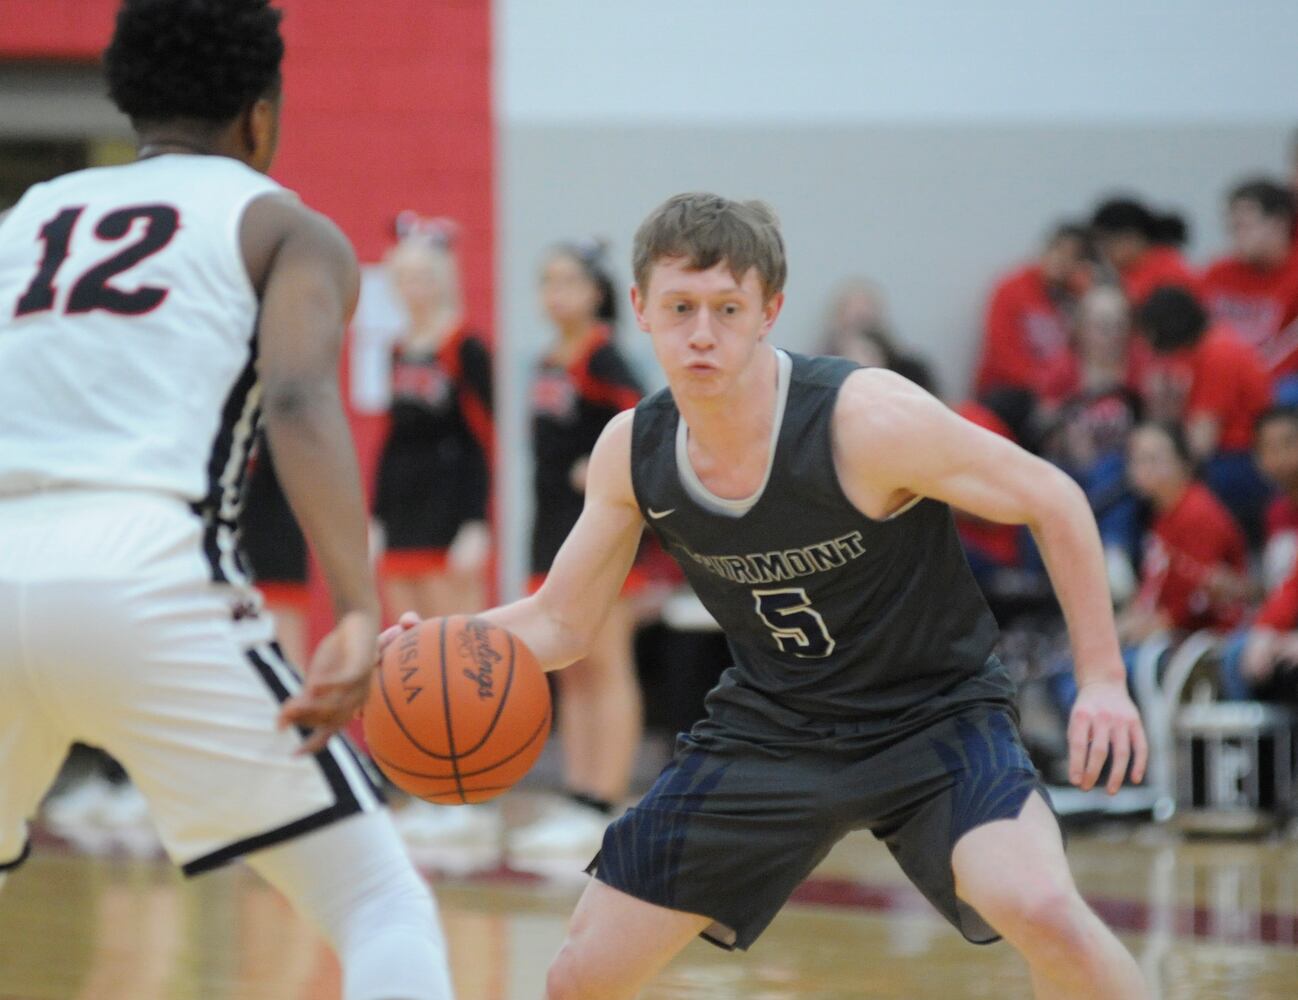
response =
{"points": [[113, 633]]}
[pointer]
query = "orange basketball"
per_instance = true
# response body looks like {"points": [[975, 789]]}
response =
{"points": [[458, 712]]}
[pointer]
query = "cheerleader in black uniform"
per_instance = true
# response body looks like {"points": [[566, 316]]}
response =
{"points": [[430, 501], [582, 383], [433, 475]]}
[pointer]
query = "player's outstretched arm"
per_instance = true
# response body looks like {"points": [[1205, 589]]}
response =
{"points": [[306, 273], [560, 621], [894, 441]]}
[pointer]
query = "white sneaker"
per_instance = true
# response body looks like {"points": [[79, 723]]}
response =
{"points": [[569, 830], [424, 824], [81, 806]]}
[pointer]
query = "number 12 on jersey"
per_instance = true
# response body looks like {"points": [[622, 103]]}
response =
{"points": [[93, 289], [796, 626]]}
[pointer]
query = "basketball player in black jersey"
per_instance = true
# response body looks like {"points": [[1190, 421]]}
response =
{"points": [[807, 501]]}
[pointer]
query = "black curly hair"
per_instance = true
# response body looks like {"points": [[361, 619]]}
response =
{"points": [[204, 60], [1171, 319]]}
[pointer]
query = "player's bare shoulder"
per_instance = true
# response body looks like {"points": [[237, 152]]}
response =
{"points": [[609, 476], [879, 408], [277, 222], [884, 426]]}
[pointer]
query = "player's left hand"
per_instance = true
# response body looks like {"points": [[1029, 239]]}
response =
{"points": [[337, 681], [1105, 720]]}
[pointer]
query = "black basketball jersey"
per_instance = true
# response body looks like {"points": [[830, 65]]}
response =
{"points": [[830, 614]]}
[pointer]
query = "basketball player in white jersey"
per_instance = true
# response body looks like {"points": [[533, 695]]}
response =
{"points": [[148, 312]]}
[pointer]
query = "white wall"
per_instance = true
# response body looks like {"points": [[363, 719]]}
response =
{"points": [[690, 61]]}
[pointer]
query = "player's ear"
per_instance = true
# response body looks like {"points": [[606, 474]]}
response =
{"points": [[771, 311], [638, 306], [261, 132]]}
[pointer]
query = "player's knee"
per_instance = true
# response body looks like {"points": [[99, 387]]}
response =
{"points": [[561, 981], [569, 979], [1037, 913]]}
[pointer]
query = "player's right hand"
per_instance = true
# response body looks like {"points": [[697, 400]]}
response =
{"points": [[407, 621], [337, 681]]}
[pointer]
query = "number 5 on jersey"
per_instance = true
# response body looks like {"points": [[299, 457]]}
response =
{"points": [[795, 624]]}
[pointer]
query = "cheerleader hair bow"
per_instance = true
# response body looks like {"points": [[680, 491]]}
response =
{"points": [[590, 250], [436, 231]]}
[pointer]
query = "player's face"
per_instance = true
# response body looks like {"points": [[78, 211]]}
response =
{"points": [[859, 307], [706, 326], [1103, 327], [568, 295], [414, 275], [1256, 237], [1062, 263], [1122, 249], [1153, 466], [1277, 452]]}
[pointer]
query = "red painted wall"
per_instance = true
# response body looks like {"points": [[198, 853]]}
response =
{"points": [[55, 29], [387, 106]]}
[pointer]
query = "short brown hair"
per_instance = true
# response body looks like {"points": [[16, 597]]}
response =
{"points": [[706, 230]]}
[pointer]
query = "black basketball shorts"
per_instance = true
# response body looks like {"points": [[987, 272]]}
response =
{"points": [[731, 827]]}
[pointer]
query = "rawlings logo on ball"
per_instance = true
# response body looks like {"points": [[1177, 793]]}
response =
{"points": [[475, 646]]}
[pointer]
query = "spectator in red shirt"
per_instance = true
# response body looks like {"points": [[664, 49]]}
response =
{"points": [[1255, 290], [1259, 662], [1193, 571], [1141, 247], [1213, 384], [1193, 574], [1276, 449], [1088, 437], [1025, 335]]}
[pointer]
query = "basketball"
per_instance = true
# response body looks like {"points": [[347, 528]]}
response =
{"points": [[458, 712]]}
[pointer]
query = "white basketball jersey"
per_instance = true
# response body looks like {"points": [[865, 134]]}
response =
{"points": [[127, 324]]}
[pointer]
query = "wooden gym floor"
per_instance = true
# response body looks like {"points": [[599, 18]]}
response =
{"points": [[1207, 919]]}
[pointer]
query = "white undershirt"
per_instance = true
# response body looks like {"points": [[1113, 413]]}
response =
{"points": [[703, 496]]}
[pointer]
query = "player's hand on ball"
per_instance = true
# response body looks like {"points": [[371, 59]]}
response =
{"points": [[1105, 721], [388, 636], [337, 681]]}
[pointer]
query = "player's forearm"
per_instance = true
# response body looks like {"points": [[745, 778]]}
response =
{"points": [[311, 442], [553, 642], [1065, 532]]}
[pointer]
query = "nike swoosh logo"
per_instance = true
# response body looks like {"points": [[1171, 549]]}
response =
{"points": [[658, 515]]}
